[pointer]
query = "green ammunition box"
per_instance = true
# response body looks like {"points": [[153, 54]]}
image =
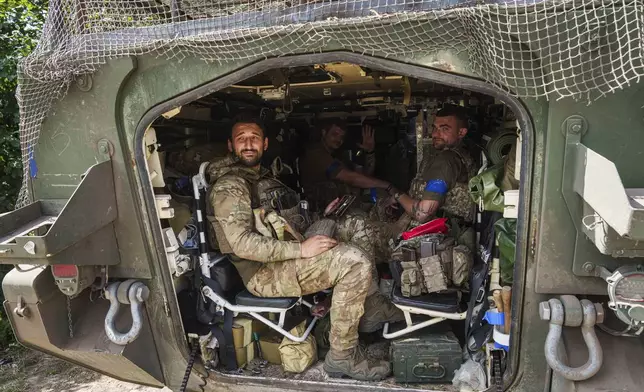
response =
{"points": [[426, 358]]}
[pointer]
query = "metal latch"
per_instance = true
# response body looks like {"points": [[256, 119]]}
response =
{"points": [[21, 310], [571, 312], [129, 292]]}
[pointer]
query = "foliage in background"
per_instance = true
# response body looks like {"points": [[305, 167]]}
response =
{"points": [[20, 24]]}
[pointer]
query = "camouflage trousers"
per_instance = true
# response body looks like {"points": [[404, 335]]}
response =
{"points": [[372, 237], [345, 268]]}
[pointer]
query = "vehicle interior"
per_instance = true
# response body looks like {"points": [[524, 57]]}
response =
{"points": [[292, 101]]}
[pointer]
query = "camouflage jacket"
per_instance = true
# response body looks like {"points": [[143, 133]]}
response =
{"points": [[450, 170], [230, 213]]}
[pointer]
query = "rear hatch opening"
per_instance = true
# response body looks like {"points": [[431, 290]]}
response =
{"points": [[292, 101]]}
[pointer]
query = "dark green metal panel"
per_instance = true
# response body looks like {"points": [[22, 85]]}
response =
{"points": [[616, 131]]}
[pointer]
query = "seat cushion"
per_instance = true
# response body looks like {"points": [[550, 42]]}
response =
{"points": [[440, 302], [245, 298]]}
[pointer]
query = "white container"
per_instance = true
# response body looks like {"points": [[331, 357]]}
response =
{"points": [[163, 206], [500, 337], [511, 201]]}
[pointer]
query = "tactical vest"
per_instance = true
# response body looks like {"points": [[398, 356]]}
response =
{"points": [[273, 195], [457, 201], [275, 209]]}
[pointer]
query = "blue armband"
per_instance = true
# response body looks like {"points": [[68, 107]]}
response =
{"points": [[437, 186]]}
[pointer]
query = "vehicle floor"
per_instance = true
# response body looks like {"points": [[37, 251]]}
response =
{"points": [[316, 374]]}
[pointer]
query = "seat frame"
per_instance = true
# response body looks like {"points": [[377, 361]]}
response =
{"points": [[437, 317], [221, 304], [199, 184]]}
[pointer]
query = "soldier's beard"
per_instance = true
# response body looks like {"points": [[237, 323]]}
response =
{"points": [[249, 161], [441, 144]]}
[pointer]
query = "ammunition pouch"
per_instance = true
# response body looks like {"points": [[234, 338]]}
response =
{"points": [[449, 266], [412, 282], [433, 273], [463, 261]]}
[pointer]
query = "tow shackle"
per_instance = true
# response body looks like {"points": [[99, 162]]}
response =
{"points": [[129, 292], [569, 311]]}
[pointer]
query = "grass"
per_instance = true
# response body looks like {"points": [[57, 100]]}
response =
{"points": [[13, 377], [32, 370]]}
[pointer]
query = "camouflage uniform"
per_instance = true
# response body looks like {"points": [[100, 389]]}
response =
{"points": [[318, 169], [273, 268], [443, 178], [353, 228], [453, 168]]}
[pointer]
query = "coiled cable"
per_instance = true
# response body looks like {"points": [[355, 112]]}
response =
{"points": [[191, 362]]}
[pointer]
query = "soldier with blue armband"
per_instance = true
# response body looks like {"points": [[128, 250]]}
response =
{"points": [[441, 188]]}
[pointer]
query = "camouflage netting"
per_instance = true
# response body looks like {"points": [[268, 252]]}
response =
{"points": [[532, 48]]}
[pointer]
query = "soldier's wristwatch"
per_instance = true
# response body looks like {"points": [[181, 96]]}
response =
{"points": [[397, 196]]}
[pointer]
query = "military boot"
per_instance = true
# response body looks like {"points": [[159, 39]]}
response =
{"points": [[354, 363], [378, 310]]}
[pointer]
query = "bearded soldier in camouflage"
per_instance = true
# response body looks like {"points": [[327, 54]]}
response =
{"points": [[440, 189], [442, 186], [271, 267]]}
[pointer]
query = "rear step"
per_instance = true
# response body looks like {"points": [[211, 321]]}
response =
{"points": [[79, 231]]}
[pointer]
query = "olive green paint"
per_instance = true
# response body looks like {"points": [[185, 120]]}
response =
{"points": [[125, 90]]}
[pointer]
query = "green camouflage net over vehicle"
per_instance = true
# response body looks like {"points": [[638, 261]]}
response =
{"points": [[531, 48]]}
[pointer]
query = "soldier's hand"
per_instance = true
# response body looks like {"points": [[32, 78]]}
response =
{"points": [[316, 245], [368, 140]]}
